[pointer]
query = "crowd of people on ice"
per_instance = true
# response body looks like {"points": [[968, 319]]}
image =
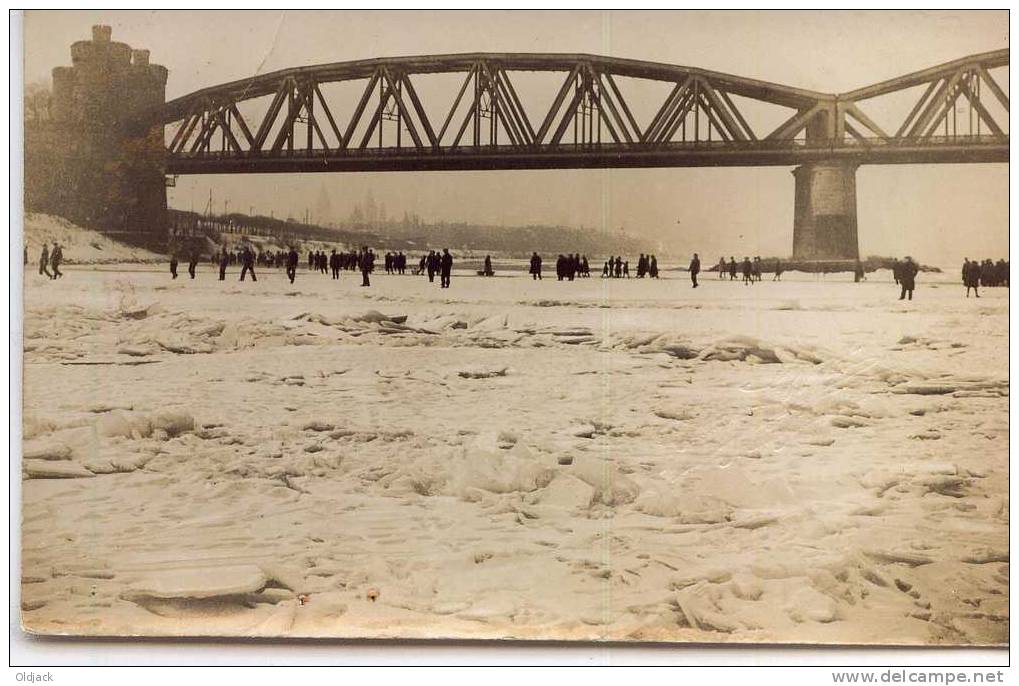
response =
{"points": [[618, 268], [975, 274], [987, 273], [571, 266], [750, 270]]}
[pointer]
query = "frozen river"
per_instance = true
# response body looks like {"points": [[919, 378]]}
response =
{"points": [[811, 460]]}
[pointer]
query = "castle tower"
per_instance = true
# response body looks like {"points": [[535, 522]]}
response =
{"points": [[105, 109]]}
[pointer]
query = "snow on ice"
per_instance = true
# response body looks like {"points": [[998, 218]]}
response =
{"points": [[803, 461]]}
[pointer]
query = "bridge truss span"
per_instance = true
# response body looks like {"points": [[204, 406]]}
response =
{"points": [[587, 116]]}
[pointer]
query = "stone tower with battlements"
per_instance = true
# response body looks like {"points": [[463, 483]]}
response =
{"points": [[99, 157]]}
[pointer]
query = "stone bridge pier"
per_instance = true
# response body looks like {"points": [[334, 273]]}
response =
{"points": [[824, 223]]}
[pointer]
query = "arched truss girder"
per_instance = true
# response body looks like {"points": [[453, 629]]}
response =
{"points": [[967, 81], [588, 109]]}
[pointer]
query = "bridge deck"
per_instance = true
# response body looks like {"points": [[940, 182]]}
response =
{"points": [[946, 150]]}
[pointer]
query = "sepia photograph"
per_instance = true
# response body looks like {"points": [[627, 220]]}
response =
{"points": [[671, 327]]}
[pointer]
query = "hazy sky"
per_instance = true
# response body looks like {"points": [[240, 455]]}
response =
{"points": [[937, 212]]}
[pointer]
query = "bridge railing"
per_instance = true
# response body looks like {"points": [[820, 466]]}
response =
{"points": [[602, 148]]}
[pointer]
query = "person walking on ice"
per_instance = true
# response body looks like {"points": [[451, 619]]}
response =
{"points": [[44, 261], [56, 257], [224, 260], [695, 269], [445, 268], [248, 263], [292, 264], [907, 277], [971, 276], [366, 261]]}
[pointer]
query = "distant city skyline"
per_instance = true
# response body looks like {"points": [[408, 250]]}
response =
{"points": [[936, 213]]}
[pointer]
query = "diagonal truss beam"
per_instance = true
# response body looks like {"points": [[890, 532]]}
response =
{"points": [[556, 104], [456, 102], [986, 77], [355, 118], [718, 106], [981, 110], [916, 108], [329, 116], [796, 123], [866, 121], [393, 88]]}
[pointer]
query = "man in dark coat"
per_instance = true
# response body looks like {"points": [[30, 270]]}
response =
{"points": [[367, 264], [535, 266], [292, 264], [56, 258], [334, 264], [173, 265], [44, 261], [695, 269], [248, 263], [969, 276], [431, 266], [907, 277], [446, 267], [224, 260]]}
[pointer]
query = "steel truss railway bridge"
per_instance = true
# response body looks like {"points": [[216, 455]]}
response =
{"points": [[589, 123], [371, 115]]}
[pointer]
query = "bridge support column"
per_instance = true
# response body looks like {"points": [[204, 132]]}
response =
{"points": [[824, 226]]}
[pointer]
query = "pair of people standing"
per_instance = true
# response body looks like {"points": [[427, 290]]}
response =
{"points": [[51, 259]]}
